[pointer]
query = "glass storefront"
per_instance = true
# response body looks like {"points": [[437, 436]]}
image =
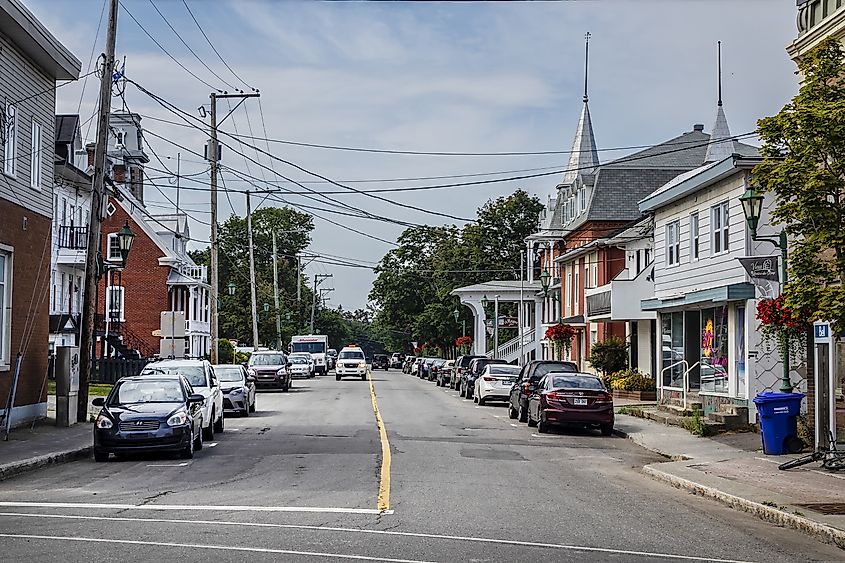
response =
{"points": [[739, 389], [714, 350], [672, 349]]}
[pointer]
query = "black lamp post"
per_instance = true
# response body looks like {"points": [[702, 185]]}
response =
{"points": [[231, 287], [457, 314], [545, 282], [752, 207], [125, 238]]}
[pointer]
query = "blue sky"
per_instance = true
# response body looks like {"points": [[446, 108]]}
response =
{"points": [[473, 77]]}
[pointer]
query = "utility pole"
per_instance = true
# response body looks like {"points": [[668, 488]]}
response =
{"points": [[86, 344], [276, 294], [251, 274], [212, 158], [318, 279]]}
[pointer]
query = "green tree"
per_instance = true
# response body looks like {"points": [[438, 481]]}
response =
{"points": [[804, 166], [609, 355]]}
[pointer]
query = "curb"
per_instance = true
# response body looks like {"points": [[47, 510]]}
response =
{"points": [[9, 470], [670, 457], [823, 532]]}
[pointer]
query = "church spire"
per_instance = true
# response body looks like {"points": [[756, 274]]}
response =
{"points": [[721, 144], [584, 158]]}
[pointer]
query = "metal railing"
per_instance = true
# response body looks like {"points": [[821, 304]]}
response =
{"points": [[513, 345], [75, 238], [684, 376]]}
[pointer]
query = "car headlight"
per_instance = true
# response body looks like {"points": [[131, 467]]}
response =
{"points": [[104, 422], [280, 372], [178, 419], [236, 391], [362, 365]]}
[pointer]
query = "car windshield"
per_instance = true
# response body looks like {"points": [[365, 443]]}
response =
{"points": [[310, 347], [266, 360], [194, 374], [576, 382], [298, 360], [504, 370], [233, 373], [149, 391], [352, 355]]}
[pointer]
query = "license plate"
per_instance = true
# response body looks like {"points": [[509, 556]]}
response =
{"points": [[580, 401]]}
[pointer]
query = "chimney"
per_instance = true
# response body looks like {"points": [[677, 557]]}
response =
{"points": [[698, 127], [89, 148]]}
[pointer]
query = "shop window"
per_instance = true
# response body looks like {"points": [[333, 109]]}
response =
{"points": [[739, 391], [5, 306], [714, 350], [672, 349]]}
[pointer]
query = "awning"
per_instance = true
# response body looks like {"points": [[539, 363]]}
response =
{"points": [[733, 292], [577, 320]]}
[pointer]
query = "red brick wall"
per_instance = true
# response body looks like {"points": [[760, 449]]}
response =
{"points": [[30, 300], [145, 293]]}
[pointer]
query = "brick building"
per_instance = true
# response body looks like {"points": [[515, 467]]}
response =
{"points": [[31, 61]]}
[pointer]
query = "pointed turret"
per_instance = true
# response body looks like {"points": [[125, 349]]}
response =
{"points": [[584, 158], [721, 144]]}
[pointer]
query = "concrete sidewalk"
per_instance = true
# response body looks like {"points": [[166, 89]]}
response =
{"points": [[732, 469], [45, 444]]}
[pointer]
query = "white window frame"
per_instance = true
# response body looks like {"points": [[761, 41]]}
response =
{"points": [[673, 243], [6, 283], [694, 236], [10, 147], [582, 197], [35, 156], [720, 229], [115, 292], [109, 255]]}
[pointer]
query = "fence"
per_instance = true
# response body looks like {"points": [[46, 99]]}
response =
{"points": [[109, 370]]}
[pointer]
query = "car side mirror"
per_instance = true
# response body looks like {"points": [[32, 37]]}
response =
{"points": [[196, 398], [99, 402]]}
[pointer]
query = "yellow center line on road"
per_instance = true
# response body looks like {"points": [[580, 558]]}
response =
{"points": [[383, 502]]}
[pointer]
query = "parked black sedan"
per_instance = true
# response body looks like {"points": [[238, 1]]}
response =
{"points": [[143, 414], [526, 382], [238, 388]]}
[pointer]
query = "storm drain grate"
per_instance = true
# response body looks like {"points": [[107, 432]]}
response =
{"points": [[829, 508]]}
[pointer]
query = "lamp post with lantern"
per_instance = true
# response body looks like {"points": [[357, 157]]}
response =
{"points": [[752, 207]]}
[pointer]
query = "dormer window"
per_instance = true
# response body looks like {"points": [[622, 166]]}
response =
{"points": [[121, 138]]}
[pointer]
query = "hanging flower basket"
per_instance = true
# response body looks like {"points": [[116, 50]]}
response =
{"points": [[561, 336], [463, 343], [782, 326]]}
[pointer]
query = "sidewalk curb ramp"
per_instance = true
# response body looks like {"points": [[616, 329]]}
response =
{"points": [[8, 470], [823, 532]]}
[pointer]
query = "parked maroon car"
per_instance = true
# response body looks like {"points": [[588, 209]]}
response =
{"points": [[571, 398]]}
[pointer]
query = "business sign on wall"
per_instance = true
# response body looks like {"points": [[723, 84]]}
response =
{"points": [[761, 268]]}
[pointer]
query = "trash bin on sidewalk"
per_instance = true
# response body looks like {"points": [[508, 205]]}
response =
{"points": [[779, 421]]}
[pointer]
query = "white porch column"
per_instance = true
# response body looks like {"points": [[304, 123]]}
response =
{"points": [[538, 326], [479, 318]]}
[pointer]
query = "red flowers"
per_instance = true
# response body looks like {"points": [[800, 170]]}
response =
{"points": [[463, 341], [560, 333], [775, 313]]}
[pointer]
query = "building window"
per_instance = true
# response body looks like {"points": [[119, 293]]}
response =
{"points": [[35, 157], [672, 332], [582, 198], [720, 221], [714, 350], [114, 303], [694, 247], [10, 153], [673, 243], [121, 138], [53, 293], [5, 306], [63, 294], [114, 248], [639, 262], [739, 353]]}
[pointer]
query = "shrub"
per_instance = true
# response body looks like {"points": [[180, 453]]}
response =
{"points": [[610, 355], [241, 357], [632, 380], [225, 352]]}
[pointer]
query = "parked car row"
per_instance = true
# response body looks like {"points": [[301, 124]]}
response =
{"points": [[172, 405], [542, 393]]}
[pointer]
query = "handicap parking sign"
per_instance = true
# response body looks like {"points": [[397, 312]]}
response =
{"points": [[821, 332]]}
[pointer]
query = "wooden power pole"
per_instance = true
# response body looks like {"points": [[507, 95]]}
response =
{"points": [[98, 198]]}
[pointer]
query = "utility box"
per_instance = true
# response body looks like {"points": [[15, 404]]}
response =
{"points": [[67, 384]]}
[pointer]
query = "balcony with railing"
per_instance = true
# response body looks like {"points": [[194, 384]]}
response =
{"points": [[72, 243], [813, 13], [197, 275], [620, 300]]}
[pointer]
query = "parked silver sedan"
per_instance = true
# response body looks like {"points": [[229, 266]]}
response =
{"points": [[238, 388]]}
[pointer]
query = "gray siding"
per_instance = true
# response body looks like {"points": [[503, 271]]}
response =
{"points": [[20, 78]]}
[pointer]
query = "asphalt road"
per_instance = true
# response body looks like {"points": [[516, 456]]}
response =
{"points": [[299, 481]]}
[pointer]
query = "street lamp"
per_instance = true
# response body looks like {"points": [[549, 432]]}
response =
{"points": [[266, 307], [125, 238], [545, 282], [456, 314], [752, 207], [231, 287]]}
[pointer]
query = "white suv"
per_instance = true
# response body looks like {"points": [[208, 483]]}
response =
{"points": [[200, 375], [351, 361]]}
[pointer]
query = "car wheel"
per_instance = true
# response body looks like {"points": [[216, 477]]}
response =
{"points": [[252, 406], [607, 429], [480, 401], [531, 422], [101, 456], [542, 427], [523, 413], [364, 377], [219, 425], [208, 431], [198, 441], [285, 387], [188, 451], [512, 414], [246, 410], [337, 377]]}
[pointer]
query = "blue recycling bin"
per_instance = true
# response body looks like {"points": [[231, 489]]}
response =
{"points": [[779, 421]]}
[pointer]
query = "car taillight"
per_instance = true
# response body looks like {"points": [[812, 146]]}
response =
{"points": [[526, 388], [604, 398], [489, 379]]}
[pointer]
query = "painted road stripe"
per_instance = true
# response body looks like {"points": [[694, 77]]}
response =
{"points": [[202, 507], [383, 501], [183, 464], [383, 533], [214, 547]]}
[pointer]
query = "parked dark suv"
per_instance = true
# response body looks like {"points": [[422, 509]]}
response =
{"points": [[470, 374], [381, 361], [461, 364], [526, 382]]}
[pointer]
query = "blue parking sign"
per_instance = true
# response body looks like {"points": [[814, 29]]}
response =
{"points": [[821, 332]]}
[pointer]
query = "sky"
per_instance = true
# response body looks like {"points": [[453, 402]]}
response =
{"points": [[430, 77]]}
